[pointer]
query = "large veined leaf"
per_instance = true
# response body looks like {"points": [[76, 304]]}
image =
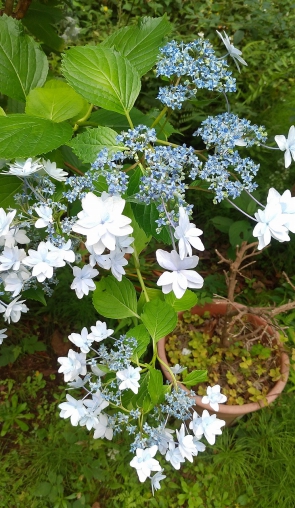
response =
{"points": [[9, 186], [103, 77], [114, 299], [23, 65], [87, 144], [159, 318], [56, 101], [26, 136], [40, 20], [140, 44]]}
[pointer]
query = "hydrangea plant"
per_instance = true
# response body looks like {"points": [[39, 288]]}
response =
{"points": [[130, 186]]}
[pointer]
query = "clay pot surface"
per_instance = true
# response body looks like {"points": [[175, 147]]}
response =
{"points": [[227, 412]]}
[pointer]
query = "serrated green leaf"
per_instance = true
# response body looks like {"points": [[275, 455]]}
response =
{"points": [[9, 186], [159, 318], [140, 44], [143, 338], [23, 65], [56, 101], [141, 240], [114, 299], [146, 216], [103, 77], [155, 385], [26, 136], [194, 377], [186, 302], [87, 144], [34, 294], [152, 294]]}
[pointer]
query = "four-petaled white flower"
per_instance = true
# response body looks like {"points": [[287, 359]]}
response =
{"points": [[43, 262], [231, 50], [13, 310], [174, 456], [187, 234], [100, 331], [287, 145], [13, 236], [144, 462], [64, 251], [24, 168], [5, 221], [287, 203], [72, 365], [11, 258], [208, 425], [270, 223], [2, 335], [179, 277], [83, 282], [45, 214], [214, 397], [117, 262], [186, 444], [81, 340], [73, 409], [177, 369], [14, 281], [101, 429], [101, 220], [129, 378], [56, 173], [155, 480]]}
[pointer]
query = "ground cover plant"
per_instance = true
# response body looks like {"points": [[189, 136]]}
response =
{"points": [[83, 169]]}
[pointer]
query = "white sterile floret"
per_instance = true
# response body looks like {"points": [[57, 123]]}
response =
{"points": [[101, 429], [45, 214], [103, 260], [72, 365], [287, 203], [129, 378], [14, 281], [97, 404], [207, 424], [11, 258], [187, 234], [186, 444], [174, 456], [214, 397], [144, 463], [94, 408], [287, 145], [185, 351], [117, 262], [124, 244], [155, 480], [179, 277], [83, 341], [5, 221], [177, 369], [24, 167], [13, 310], [13, 236], [83, 282], [101, 220], [73, 409], [56, 173], [270, 223], [100, 331], [64, 251], [163, 437], [232, 51], [3, 335], [43, 262]]}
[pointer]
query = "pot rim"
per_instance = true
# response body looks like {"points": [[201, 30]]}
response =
{"points": [[229, 409]]}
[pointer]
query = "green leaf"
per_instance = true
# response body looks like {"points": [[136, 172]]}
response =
{"points": [[42, 489], [239, 232], [9, 186], [2, 112], [140, 44], [159, 318], [103, 77], [155, 385], [56, 101], [26, 136], [194, 377], [146, 216], [141, 240], [34, 294], [222, 223], [186, 302], [143, 338], [114, 299], [40, 20], [152, 294], [23, 65], [116, 121], [87, 144]]}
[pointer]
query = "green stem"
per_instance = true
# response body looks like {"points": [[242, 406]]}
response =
{"points": [[86, 116], [174, 381], [160, 116], [129, 119], [138, 272]]}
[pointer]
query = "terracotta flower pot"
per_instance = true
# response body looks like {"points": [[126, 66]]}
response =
{"points": [[227, 412]]}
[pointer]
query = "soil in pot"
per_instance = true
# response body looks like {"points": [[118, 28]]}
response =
{"points": [[247, 369]]}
